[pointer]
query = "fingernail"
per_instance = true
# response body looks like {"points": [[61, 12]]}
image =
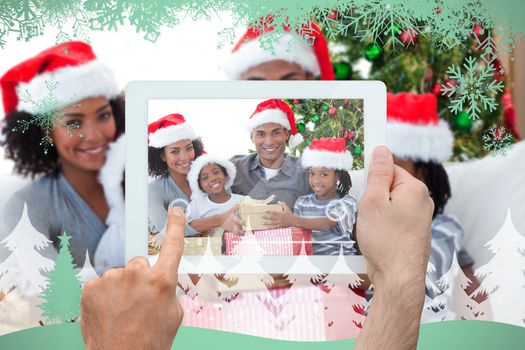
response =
{"points": [[380, 154], [176, 211]]}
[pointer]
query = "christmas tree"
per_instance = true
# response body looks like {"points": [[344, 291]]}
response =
{"points": [[503, 278], [62, 296], [24, 266], [458, 305], [467, 79], [331, 118]]}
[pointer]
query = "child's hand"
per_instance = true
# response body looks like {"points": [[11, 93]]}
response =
{"points": [[231, 222], [275, 219]]}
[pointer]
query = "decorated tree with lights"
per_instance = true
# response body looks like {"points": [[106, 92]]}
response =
{"points": [[331, 118], [467, 79]]}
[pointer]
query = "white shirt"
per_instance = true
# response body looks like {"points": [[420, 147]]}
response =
{"points": [[270, 172], [202, 206]]}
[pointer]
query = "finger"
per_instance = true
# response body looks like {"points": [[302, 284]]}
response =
{"points": [[238, 221], [138, 262], [380, 175], [173, 244]]}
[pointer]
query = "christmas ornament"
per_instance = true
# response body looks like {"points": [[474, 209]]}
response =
{"points": [[342, 71], [300, 127], [462, 122], [358, 150], [372, 52], [296, 102], [395, 29], [332, 111], [346, 101], [325, 107], [314, 118], [436, 89], [350, 135], [408, 37], [333, 15]]}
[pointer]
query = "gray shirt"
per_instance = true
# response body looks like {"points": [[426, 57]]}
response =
{"points": [[161, 192], [290, 183], [54, 207]]}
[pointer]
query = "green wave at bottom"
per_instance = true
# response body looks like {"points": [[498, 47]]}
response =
{"points": [[442, 335]]}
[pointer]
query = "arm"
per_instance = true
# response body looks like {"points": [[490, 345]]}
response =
{"points": [[288, 219], [394, 232], [228, 220]]}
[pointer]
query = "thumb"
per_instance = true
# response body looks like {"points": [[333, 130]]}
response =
{"points": [[380, 175]]}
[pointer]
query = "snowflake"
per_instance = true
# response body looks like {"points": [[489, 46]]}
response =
{"points": [[476, 87], [46, 116], [378, 20], [497, 140]]}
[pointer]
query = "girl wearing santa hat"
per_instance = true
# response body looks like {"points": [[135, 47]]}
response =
{"points": [[327, 162], [69, 84], [420, 141]]}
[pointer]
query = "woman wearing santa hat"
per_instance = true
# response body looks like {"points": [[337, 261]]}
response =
{"points": [[68, 83], [291, 57], [173, 145]]}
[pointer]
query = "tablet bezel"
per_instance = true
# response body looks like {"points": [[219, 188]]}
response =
{"points": [[139, 93]]}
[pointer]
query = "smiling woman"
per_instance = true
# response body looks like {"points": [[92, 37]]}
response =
{"points": [[87, 116]]}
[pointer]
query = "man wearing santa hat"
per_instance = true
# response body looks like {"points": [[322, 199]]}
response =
{"points": [[270, 171], [291, 58]]}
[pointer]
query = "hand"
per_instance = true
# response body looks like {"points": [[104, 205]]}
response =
{"points": [[136, 307], [274, 219], [231, 222], [393, 232], [393, 225]]}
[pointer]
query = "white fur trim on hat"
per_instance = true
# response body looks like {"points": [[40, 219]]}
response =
{"points": [[332, 160], [171, 134], [200, 162], [296, 140], [420, 142], [268, 116], [111, 176], [73, 83], [251, 54]]}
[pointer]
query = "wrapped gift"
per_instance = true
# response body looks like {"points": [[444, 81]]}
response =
{"points": [[283, 241], [252, 211], [197, 245]]}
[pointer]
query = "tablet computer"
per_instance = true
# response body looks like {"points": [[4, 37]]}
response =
{"points": [[219, 112]]}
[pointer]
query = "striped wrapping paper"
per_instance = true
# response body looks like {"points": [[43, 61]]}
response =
{"points": [[296, 314], [283, 242]]}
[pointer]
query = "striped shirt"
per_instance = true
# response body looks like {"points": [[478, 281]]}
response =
{"points": [[343, 210], [447, 238]]}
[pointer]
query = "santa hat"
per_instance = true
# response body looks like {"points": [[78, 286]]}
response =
{"points": [[201, 162], [248, 53], [329, 152], [168, 130], [68, 72], [414, 130], [275, 111]]}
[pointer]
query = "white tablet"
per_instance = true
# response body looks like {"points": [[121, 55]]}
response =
{"points": [[219, 112]]}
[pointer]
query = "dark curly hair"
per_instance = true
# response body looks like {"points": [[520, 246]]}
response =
{"points": [[25, 148], [436, 179], [345, 182], [157, 167]]}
